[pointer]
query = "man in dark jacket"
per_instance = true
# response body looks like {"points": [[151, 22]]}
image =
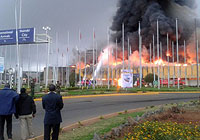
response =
{"points": [[25, 110], [52, 103], [8, 99]]}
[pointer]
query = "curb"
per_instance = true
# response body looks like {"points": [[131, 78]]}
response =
{"points": [[104, 95], [189, 92], [89, 122]]}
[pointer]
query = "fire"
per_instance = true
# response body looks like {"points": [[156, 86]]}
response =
{"points": [[119, 82], [168, 54], [82, 65], [178, 65], [117, 63], [87, 66], [159, 62]]}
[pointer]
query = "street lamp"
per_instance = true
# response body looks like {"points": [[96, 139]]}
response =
{"points": [[47, 28]]}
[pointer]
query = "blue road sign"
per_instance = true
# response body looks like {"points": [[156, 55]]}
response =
{"points": [[25, 36], [8, 37]]}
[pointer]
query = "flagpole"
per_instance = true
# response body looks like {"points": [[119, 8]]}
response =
{"points": [[18, 52], [168, 58], [140, 54], [67, 69], [85, 66], [154, 75], [62, 71], [150, 57], [173, 64], [197, 52], [123, 43], [29, 52], [93, 61], [108, 59], [96, 63], [197, 63], [185, 59], [10, 57], [116, 61], [158, 54], [79, 57], [37, 64], [76, 66], [101, 72], [177, 45], [128, 53], [57, 57], [112, 68], [162, 72], [5, 63]]}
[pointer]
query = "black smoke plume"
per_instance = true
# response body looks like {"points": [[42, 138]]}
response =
{"points": [[130, 12]]}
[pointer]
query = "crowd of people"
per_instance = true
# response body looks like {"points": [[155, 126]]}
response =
{"points": [[23, 107]]}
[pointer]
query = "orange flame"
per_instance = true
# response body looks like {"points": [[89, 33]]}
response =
{"points": [[119, 82]]}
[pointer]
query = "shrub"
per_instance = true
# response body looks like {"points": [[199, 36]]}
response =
{"points": [[150, 77]]}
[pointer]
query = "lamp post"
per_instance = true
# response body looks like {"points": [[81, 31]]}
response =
{"points": [[47, 28]]}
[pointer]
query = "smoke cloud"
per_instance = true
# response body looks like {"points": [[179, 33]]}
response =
{"points": [[130, 12]]}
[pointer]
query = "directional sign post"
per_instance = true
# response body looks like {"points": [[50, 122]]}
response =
{"points": [[25, 36], [7, 37]]}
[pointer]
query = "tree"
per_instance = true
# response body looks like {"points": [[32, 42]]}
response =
{"points": [[72, 78], [150, 77]]}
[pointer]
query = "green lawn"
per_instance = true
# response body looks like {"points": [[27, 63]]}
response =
{"points": [[104, 90], [101, 127]]}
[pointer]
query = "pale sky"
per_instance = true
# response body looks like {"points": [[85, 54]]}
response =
{"points": [[62, 16]]}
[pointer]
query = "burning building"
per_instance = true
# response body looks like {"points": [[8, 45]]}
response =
{"points": [[149, 13]]}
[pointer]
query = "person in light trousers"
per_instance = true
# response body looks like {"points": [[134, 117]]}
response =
{"points": [[25, 111]]}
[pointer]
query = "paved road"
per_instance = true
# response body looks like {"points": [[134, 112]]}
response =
{"points": [[84, 108]]}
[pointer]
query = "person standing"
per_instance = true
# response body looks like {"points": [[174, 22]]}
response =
{"points": [[8, 99], [32, 88], [25, 111], [58, 88], [52, 104]]}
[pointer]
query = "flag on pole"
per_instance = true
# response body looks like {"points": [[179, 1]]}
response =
{"points": [[58, 50], [94, 35], [80, 35], [139, 29]]}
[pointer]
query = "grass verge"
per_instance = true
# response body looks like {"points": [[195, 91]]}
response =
{"points": [[101, 127]]}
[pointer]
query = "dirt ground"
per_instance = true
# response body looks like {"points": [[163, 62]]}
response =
{"points": [[178, 115]]}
